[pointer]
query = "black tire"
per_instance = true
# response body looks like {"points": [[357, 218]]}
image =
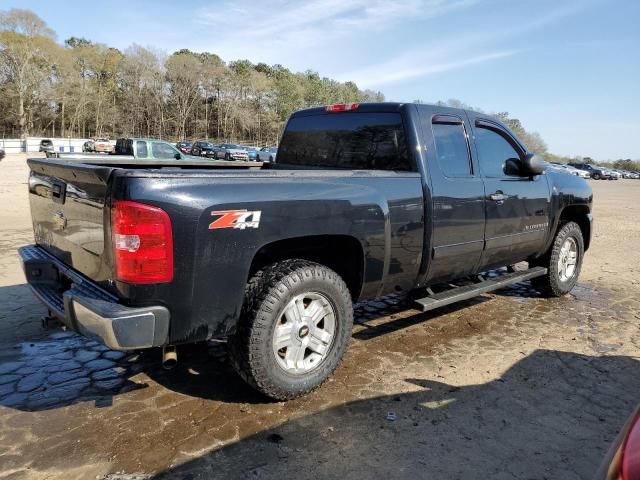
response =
{"points": [[552, 284], [267, 294], [596, 176], [227, 156]]}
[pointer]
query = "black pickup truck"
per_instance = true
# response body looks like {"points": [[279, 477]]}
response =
{"points": [[364, 200]]}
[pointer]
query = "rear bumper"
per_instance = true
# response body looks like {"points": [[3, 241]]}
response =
{"points": [[83, 306]]}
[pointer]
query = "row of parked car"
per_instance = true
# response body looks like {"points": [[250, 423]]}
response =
{"points": [[201, 148], [98, 145], [602, 173], [586, 170], [227, 151]]}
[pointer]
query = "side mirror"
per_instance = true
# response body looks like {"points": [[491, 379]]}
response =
{"points": [[177, 156], [532, 164]]}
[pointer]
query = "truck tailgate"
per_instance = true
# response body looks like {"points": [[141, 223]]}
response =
{"points": [[68, 201]]}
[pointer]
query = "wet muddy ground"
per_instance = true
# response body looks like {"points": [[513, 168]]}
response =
{"points": [[508, 385]]}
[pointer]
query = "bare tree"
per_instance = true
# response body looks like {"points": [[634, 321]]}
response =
{"points": [[25, 41]]}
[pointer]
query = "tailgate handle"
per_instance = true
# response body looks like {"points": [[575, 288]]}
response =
{"points": [[58, 190]]}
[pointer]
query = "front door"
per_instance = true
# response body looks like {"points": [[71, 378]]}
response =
{"points": [[517, 207]]}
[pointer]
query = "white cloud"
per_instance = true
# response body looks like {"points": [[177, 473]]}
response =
{"points": [[342, 38], [452, 54], [394, 71], [288, 32]]}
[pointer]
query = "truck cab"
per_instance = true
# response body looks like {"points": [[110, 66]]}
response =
{"points": [[147, 149]]}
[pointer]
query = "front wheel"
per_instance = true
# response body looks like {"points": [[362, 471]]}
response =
{"points": [[294, 329], [597, 176], [563, 262]]}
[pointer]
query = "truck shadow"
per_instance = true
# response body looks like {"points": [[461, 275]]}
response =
{"points": [[551, 415]]}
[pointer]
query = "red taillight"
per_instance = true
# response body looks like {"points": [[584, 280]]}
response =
{"points": [[631, 453], [341, 107], [142, 243]]}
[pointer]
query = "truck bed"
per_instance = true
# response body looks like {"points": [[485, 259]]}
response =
{"points": [[126, 161]]}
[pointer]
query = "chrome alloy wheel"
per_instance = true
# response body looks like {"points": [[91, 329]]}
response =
{"points": [[568, 259], [303, 336]]}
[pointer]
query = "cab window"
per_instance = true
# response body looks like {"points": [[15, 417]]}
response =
{"points": [[162, 150], [353, 141], [493, 152]]}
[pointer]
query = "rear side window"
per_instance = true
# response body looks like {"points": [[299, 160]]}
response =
{"points": [[141, 149], [452, 149], [373, 141]]}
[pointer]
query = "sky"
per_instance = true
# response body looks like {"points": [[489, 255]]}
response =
{"points": [[567, 69]]}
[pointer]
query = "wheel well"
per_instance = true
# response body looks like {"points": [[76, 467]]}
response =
{"points": [[341, 253], [578, 214]]}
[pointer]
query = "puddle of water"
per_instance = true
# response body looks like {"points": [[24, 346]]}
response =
{"points": [[59, 370]]}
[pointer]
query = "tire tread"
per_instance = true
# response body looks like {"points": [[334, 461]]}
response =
{"points": [[263, 291]]}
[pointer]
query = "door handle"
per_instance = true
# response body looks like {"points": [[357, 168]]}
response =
{"points": [[498, 196]]}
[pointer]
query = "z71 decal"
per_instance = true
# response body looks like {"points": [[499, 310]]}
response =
{"points": [[236, 219]]}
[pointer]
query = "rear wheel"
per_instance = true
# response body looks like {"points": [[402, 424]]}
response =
{"points": [[295, 327], [563, 262]]}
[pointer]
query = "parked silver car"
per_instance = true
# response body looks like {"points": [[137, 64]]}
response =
{"points": [[569, 169], [613, 175], [230, 151], [267, 154]]}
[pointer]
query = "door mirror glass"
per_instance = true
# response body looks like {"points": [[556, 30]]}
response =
{"points": [[512, 167], [177, 156]]}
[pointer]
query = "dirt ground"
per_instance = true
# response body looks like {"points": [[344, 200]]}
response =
{"points": [[508, 385]]}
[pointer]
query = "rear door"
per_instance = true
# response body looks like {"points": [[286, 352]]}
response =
{"points": [[457, 194], [517, 207]]}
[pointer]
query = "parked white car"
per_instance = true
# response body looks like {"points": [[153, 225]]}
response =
{"points": [[102, 145], [267, 154], [570, 170]]}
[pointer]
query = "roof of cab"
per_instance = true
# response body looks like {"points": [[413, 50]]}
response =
{"points": [[370, 107]]}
